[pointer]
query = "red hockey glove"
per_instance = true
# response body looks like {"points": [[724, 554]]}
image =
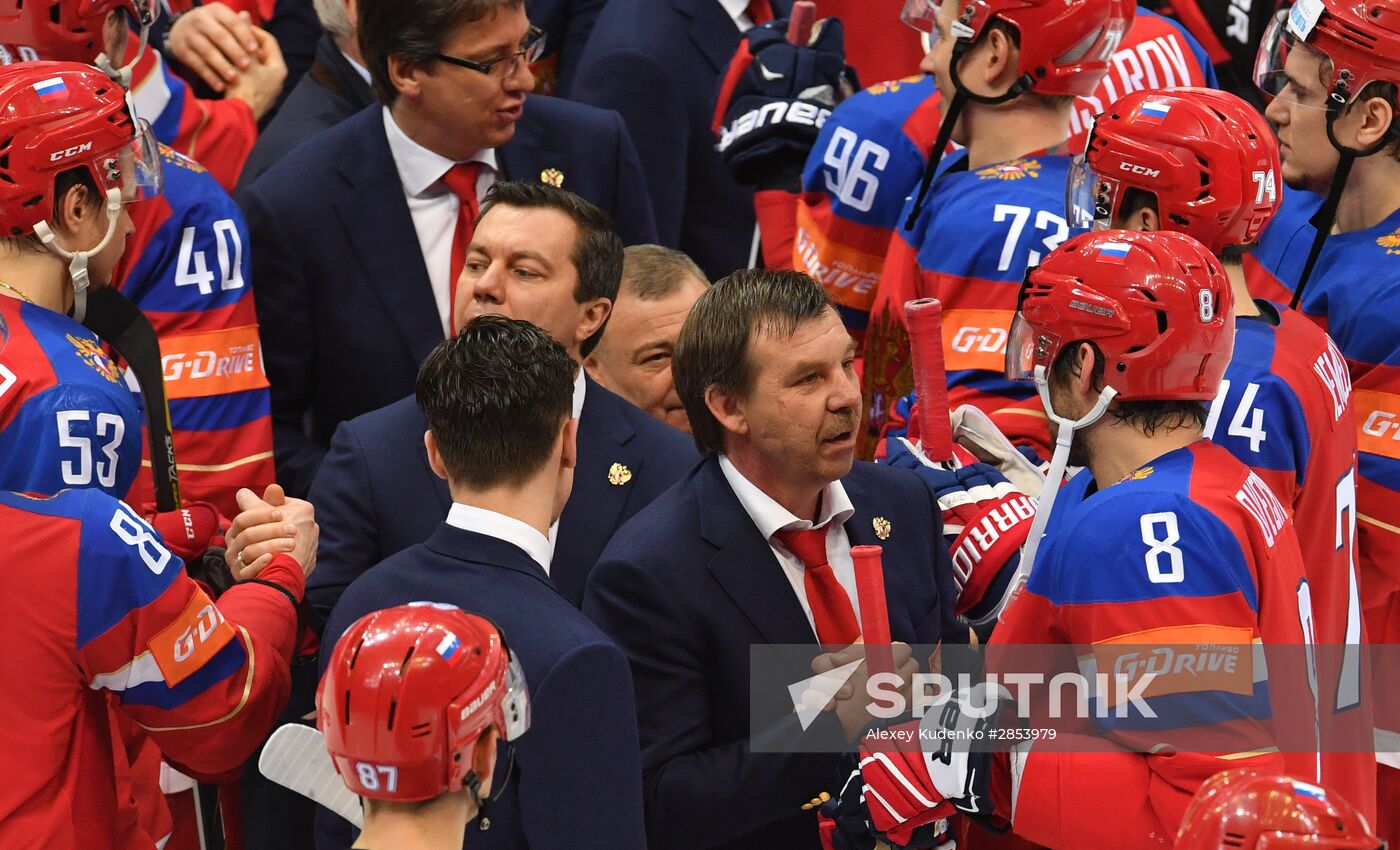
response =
{"points": [[195, 533], [888, 797], [985, 520]]}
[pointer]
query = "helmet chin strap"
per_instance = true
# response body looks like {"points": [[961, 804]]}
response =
{"points": [[78, 260], [1054, 476], [123, 74]]}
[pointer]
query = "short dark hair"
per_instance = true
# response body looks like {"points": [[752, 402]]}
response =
{"points": [[1146, 415], [655, 272], [598, 252], [712, 350], [495, 396], [412, 29]]}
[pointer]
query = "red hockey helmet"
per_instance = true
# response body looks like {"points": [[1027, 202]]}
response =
{"points": [[57, 116], [408, 692], [1158, 305], [1064, 47], [1244, 810], [1208, 157], [69, 30], [1360, 38]]}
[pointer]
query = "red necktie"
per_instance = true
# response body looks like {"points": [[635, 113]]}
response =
{"points": [[461, 180], [759, 11], [831, 607]]}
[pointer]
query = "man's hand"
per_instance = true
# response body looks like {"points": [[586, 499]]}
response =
{"points": [[260, 83], [767, 146], [271, 526], [215, 42], [851, 701]]}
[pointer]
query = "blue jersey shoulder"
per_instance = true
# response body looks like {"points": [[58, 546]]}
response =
{"points": [[122, 563], [197, 259], [1258, 416], [994, 222], [85, 431], [1141, 539], [864, 158]]}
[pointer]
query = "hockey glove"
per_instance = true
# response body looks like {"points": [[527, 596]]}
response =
{"points": [[195, 533], [888, 798], [985, 520], [774, 99]]}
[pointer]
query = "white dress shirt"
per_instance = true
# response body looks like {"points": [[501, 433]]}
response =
{"points": [[738, 12], [770, 517], [433, 207], [502, 527], [359, 69]]}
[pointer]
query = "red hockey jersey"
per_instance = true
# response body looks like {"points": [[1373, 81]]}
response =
{"points": [[98, 611]]}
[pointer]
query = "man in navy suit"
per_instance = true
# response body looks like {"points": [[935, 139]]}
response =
{"points": [[361, 235], [659, 62], [754, 547], [546, 256], [498, 399]]}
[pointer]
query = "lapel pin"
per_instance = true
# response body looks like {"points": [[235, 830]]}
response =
{"points": [[619, 475], [553, 177], [882, 527]]}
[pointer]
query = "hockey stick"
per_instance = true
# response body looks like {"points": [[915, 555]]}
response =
{"points": [[297, 759], [874, 615], [799, 32], [120, 323], [924, 318]]}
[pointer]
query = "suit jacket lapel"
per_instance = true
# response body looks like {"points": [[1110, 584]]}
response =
{"points": [[380, 231], [861, 531], [529, 152], [713, 31], [744, 564]]}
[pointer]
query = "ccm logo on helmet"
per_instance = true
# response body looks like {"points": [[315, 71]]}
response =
{"points": [[67, 152], [1139, 169]]}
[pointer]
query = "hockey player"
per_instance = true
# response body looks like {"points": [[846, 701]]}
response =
{"points": [[76, 158], [873, 147], [99, 613], [188, 267], [1165, 539], [1007, 73], [1204, 163], [218, 133], [1333, 70], [418, 742]]}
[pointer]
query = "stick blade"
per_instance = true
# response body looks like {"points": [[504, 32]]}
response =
{"points": [[296, 758]]}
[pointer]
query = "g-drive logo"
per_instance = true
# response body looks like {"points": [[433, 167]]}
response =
{"points": [[1069, 694]]}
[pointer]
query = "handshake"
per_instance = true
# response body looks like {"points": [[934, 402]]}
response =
{"points": [[217, 552]]}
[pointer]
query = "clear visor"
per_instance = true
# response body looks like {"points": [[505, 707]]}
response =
{"points": [[1282, 53], [922, 15], [1088, 200], [134, 167], [515, 702], [1021, 349]]}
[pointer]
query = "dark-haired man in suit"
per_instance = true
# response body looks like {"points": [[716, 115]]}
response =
{"points": [[754, 547], [361, 233], [546, 256], [498, 400]]}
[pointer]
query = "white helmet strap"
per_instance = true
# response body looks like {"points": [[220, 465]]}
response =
{"points": [[123, 74], [78, 260], [1054, 476]]}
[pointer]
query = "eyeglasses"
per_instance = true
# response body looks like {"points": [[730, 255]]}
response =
{"points": [[531, 52]]}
